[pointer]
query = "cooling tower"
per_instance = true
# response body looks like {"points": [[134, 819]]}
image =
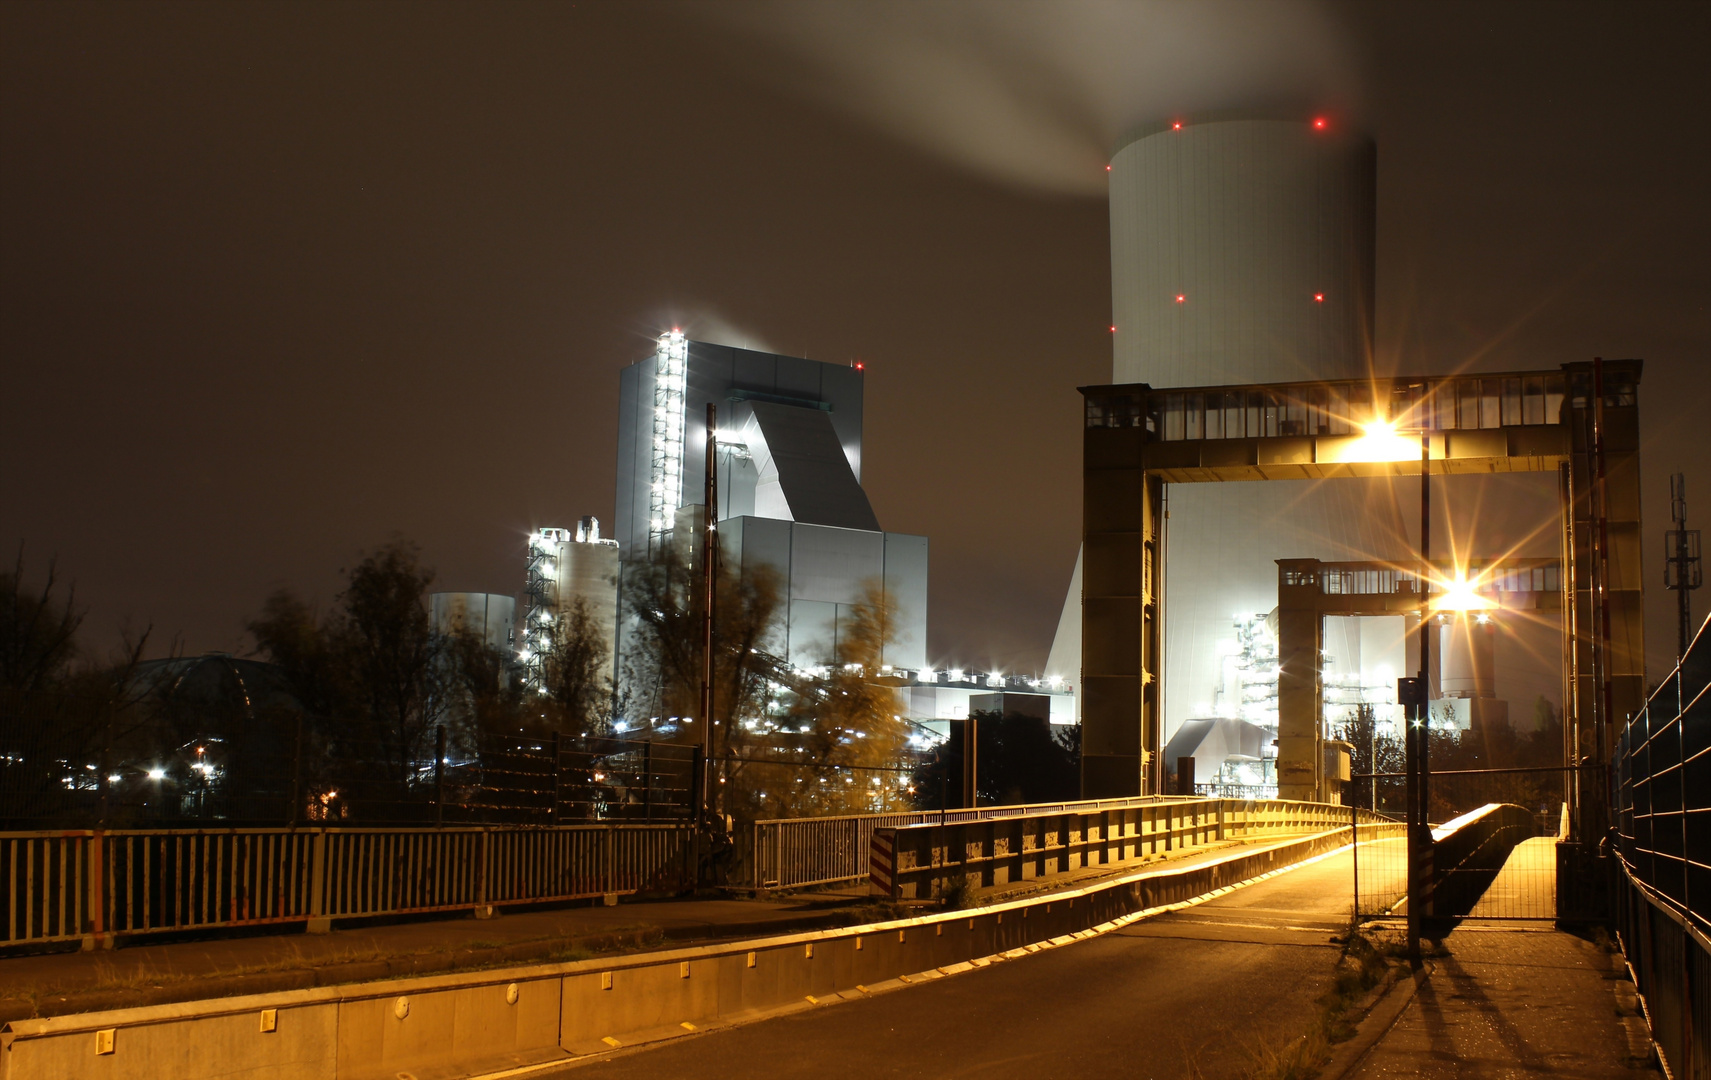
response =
{"points": [[1242, 252]]}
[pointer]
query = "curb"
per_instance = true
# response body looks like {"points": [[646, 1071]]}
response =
{"points": [[639, 939], [1379, 1016]]}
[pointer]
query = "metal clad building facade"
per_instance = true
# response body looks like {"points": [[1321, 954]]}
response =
{"points": [[790, 496], [1242, 251]]}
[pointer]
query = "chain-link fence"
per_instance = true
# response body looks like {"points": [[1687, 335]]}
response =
{"points": [[1493, 856]]}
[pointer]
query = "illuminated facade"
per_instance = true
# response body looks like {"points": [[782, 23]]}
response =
{"points": [[790, 495], [565, 566]]}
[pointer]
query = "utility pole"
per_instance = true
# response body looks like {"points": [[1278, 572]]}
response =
{"points": [[709, 590], [1426, 647], [1415, 697], [1683, 571]]}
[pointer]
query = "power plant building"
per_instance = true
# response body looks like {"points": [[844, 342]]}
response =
{"points": [[790, 499]]}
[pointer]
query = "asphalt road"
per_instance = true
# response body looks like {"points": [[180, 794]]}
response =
{"points": [[1189, 994]]}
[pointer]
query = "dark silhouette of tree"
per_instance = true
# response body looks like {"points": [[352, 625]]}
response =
{"points": [[663, 663], [62, 715], [1022, 759], [836, 742], [372, 672]]}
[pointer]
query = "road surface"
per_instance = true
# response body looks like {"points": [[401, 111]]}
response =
{"points": [[1192, 993]]}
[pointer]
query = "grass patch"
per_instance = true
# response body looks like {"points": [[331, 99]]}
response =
{"points": [[1364, 963], [957, 895]]}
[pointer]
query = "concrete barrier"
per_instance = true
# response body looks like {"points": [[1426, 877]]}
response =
{"points": [[1469, 851], [453, 1025]]}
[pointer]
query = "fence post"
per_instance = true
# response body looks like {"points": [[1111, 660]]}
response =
{"points": [[1354, 854], [648, 779], [609, 856], [483, 860], [1689, 1051], [552, 815], [319, 922], [439, 774], [698, 816], [96, 884]]}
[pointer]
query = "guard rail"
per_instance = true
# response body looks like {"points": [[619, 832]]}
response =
{"points": [[924, 860], [791, 853], [95, 885]]}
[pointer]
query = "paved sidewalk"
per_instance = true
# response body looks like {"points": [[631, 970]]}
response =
{"points": [[1505, 1002], [57, 984]]}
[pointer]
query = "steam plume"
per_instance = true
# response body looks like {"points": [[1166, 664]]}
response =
{"points": [[1036, 94]]}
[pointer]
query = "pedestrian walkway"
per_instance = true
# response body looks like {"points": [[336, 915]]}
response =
{"points": [[1526, 887], [1504, 1002]]}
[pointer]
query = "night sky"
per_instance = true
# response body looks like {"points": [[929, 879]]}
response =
{"points": [[279, 282]]}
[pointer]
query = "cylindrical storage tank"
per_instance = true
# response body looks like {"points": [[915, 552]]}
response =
{"points": [[1242, 251], [488, 616], [589, 572]]}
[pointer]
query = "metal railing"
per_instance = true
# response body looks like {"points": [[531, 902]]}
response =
{"points": [[1662, 901], [791, 853], [794, 853], [91, 884], [928, 858]]}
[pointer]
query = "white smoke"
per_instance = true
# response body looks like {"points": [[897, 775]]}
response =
{"points": [[1036, 93], [703, 323]]}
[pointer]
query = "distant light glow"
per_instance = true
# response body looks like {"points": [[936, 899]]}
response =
{"points": [[1318, 298], [1380, 443], [1180, 298], [157, 773], [1107, 168], [1113, 329], [1177, 126], [1460, 595], [1319, 123], [860, 366]]}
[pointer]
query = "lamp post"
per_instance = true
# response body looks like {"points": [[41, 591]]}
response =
{"points": [[1414, 695], [1420, 831]]}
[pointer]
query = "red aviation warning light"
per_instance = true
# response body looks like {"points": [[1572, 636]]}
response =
{"points": [[1113, 329], [1319, 123], [1318, 298], [1180, 298], [859, 366], [1176, 125]]}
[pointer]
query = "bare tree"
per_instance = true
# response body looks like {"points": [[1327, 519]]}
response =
{"points": [[836, 742]]}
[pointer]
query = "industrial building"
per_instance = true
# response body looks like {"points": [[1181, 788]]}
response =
{"points": [[789, 488], [1242, 252], [564, 569]]}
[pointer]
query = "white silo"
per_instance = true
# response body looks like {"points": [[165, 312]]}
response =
{"points": [[1242, 251], [488, 616]]}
